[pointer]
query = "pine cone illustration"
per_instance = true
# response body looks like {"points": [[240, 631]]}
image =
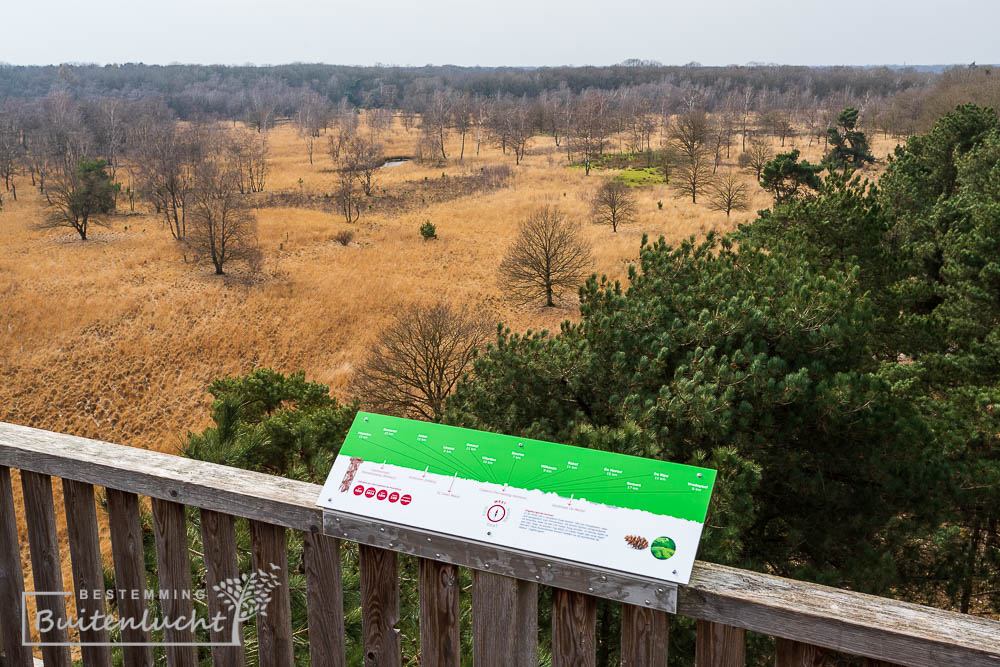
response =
{"points": [[636, 541]]}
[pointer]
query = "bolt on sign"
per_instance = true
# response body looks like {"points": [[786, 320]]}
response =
{"points": [[635, 515]]}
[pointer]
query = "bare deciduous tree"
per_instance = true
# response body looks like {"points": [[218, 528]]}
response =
{"points": [[755, 157], [221, 227], [363, 157], [547, 258], [590, 128], [613, 204], [728, 193], [437, 119], [248, 157], [78, 195], [419, 358]]}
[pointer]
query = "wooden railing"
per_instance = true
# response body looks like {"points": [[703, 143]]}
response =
{"points": [[808, 620]]}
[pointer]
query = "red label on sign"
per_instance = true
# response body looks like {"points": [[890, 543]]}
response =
{"points": [[382, 494], [405, 500], [359, 489], [393, 497], [370, 493]]}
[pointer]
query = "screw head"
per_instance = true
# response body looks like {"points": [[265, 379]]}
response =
{"points": [[487, 566], [659, 590], [591, 590], [604, 577], [647, 601], [381, 530]]}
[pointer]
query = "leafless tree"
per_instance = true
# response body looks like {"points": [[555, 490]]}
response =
{"points": [[590, 128], [165, 163], [758, 155], [520, 127], [311, 118], [11, 152], [248, 155], [222, 228], [693, 175], [378, 121], [728, 193], [547, 258], [747, 98], [689, 136], [79, 195], [462, 113], [363, 157], [613, 204], [419, 358], [437, 119]]}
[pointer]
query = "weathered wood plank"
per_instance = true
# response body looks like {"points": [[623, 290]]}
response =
{"points": [[869, 662], [325, 604], [174, 568], [645, 637], [380, 606], [274, 629], [243, 493], [440, 618], [40, 515], [88, 576], [504, 621], [790, 653], [11, 579], [574, 624], [130, 572], [218, 537], [719, 645], [840, 620]]}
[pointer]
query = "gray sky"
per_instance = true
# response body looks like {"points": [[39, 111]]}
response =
{"points": [[502, 32]]}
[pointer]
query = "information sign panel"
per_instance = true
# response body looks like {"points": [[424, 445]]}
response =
{"points": [[634, 515]]}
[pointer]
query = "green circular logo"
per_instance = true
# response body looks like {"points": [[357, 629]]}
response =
{"points": [[663, 548]]}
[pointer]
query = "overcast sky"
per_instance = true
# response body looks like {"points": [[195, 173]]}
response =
{"points": [[501, 32]]}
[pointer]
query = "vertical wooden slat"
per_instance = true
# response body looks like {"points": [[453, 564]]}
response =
{"points": [[11, 579], [720, 645], [574, 627], [40, 515], [325, 604], [645, 635], [504, 621], [174, 567], [218, 536], [88, 577], [379, 606], [790, 653], [440, 619], [274, 629], [130, 573]]}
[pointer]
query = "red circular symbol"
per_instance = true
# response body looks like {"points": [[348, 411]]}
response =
{"points": [[393, 497], [370, 492], [405, 500], [382, 494], [359, 489], [496, 513]]}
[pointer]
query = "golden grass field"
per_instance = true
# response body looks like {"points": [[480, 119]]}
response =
{"points": [[116, 338]]}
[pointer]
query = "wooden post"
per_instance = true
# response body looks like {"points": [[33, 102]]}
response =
{"points": [[325, 607], [274, 630], [504, 621], [11, 579], [174, 567], [440, 631], [645, 634], [790, 653], [88, 576], [40, 514], [130, 572], [218, 537], [574, 627], [379, 606], [720, 645]]}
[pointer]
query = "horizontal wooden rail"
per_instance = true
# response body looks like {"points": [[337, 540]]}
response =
{"points": [[877, 628]]}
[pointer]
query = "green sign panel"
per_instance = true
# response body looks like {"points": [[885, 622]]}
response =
{"points": [[623, 512]]}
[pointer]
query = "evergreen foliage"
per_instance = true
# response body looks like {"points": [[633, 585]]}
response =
{"points": [[786, 178], [849, 148]]}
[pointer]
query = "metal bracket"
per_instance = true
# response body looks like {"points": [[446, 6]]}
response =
{"points": [[569, 575]]}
